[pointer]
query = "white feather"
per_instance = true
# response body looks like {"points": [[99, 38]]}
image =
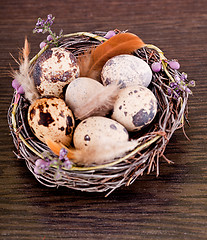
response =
{"points": [[99, 104], [103, 152]]}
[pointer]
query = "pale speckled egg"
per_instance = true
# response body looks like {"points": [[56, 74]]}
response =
{"points": [[50, 117], [54, 69], [135, 107], [98, 129], [126, 70], [80, 90]]}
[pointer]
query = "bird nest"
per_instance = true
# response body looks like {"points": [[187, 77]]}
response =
{"points": [[151, 141]]}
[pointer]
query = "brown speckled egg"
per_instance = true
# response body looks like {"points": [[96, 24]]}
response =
{"points": [[54, 69], [80, 90], [51, 117], [126, 70], [135, 107], [98, 129]]}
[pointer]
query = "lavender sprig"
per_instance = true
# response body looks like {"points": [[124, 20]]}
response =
{"points": [[61, 163], [43, 26], [180, 86]]}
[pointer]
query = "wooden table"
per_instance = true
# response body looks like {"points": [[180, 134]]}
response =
{"points": [[171, 206]]}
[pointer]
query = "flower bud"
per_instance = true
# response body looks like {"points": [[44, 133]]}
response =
{"points": [[110, 34], [156, 66], [174, 64], [42, 45], [15, 84], [49, 38]]}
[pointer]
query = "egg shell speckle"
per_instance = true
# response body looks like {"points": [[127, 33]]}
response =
{"points": [[98, 129], [80, 90], [126, 70], [135, 107], [54, 69], [51, 117]]}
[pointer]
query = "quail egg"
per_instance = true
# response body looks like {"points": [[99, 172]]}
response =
{"points": [[50, 117], [80, 90], [126, 70], [135, 107], [54, 69], [98, 129]]}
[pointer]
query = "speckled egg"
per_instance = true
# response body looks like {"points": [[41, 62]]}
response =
{"points": [[80, 90], [135, 107], [98, 129], [54, 69], [51, 117], [126, 70]]}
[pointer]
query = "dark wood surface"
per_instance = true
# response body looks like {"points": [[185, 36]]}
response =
{"points": [[171, 206]]}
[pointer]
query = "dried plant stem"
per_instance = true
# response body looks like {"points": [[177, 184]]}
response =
{"points": [[162, 58], [19, 135], [38, 54], [86, 34]]}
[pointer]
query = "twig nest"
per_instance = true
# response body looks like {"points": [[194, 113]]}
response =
{"points": [[80, 91], [54, 69], [97, 130], [50, 117], [135, 107], [126, 70]]}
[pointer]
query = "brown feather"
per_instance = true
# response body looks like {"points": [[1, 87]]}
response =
{"points": [[99, 104], [84, 61], [122, 43], [26, 49]]}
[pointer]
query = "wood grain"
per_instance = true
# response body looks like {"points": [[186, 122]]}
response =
{"points": [[172, 206]]}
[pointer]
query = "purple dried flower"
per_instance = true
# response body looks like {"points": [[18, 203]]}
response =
{"points": [[39, 162], [188, 90], [54, 162], [183, 87], [49, 20], [37, 170], [42, 45], [110, 34], [45, 26], [173, 85], [175, 96], [59, 164], [177, 79], [41, 166], [15, 84], [183, 76], [191, 83], [58, 175], [49, 17], [169, 91], [156, 66], [20, 90], [67, 164], [49, 38], [63, 153], [39, 30], [174, 64], [40, 22], [17, 87]]}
